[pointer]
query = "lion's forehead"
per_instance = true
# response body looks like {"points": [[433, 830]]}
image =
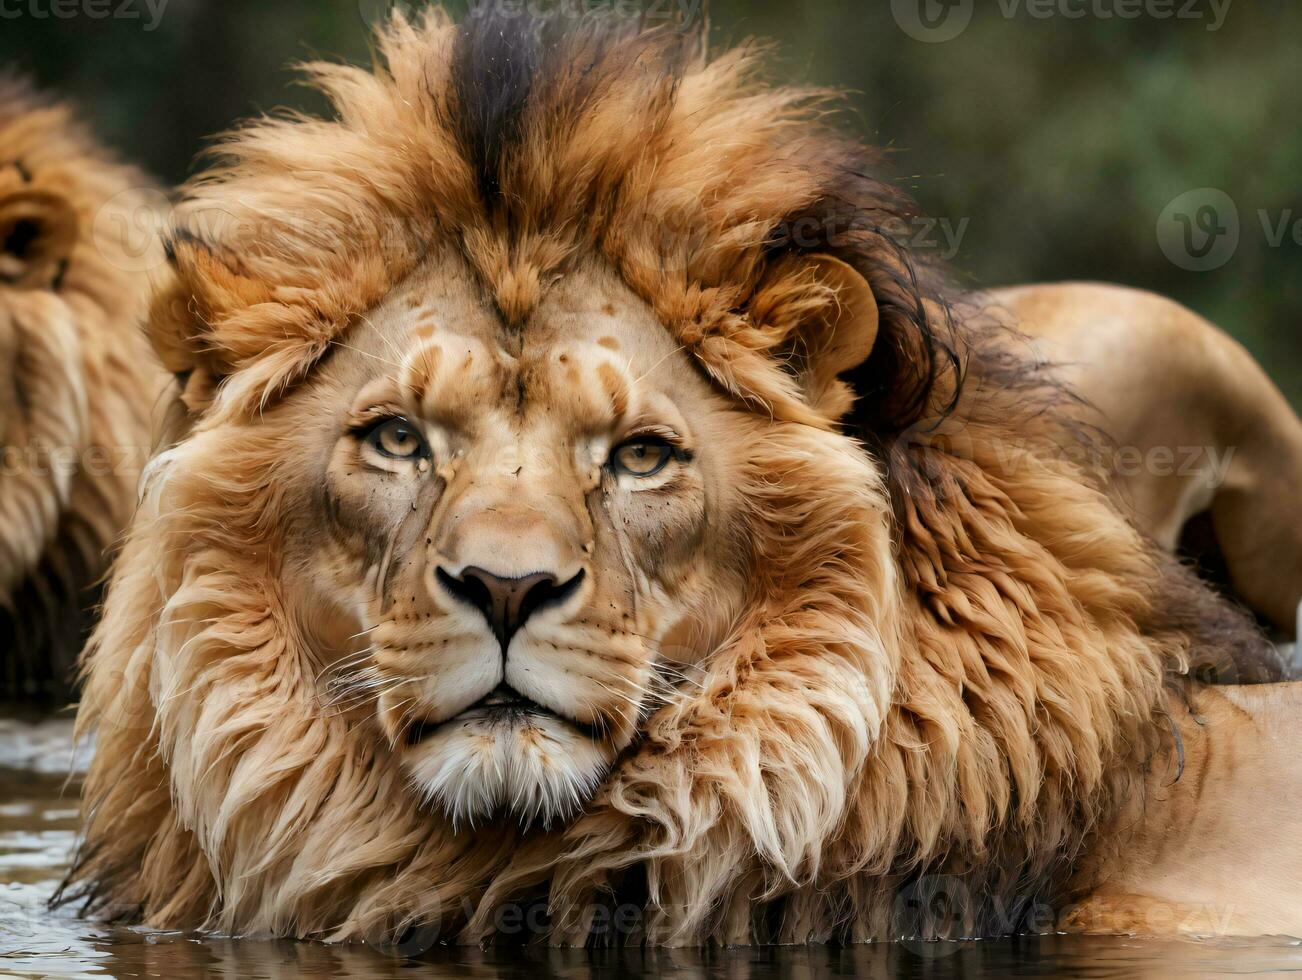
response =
{"points": [[590, 354], [458, 379]]}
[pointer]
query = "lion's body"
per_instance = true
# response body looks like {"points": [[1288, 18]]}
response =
{"points": [[1214, 853], [774, 682], [77, 383], [1199, 427]]}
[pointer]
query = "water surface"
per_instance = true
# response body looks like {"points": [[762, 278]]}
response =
{"points": [[38, 822]]}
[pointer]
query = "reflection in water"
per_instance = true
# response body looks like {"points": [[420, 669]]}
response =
{"points": [[1038, 957], [38, 822]]}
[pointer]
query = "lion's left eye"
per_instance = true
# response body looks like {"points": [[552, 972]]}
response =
{"points": [[642, 457], [398, 439]]}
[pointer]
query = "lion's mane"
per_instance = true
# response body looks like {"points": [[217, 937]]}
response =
{"points": [[79, 382], [955, 658]]}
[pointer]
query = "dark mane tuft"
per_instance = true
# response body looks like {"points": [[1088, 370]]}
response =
{"points": [[494, 63]]}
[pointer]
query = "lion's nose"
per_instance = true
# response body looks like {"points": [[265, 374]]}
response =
{"points": [[508, 602]]}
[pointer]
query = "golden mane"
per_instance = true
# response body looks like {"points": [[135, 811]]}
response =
{"points": [[956, 656], [77, 395]]}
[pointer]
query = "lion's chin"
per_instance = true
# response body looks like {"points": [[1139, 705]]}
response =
{"points": [[494, 763]]}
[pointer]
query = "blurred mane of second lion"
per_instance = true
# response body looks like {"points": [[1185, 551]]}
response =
{"points": [[77, 379]]}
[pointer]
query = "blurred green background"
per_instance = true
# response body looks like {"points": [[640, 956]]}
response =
{"points": [[1050, 137]]}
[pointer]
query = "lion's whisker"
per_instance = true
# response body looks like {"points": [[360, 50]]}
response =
{"points": [[358, 350]]}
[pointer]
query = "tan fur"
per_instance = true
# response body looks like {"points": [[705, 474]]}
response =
{"points": [[943, 653], [1214, 853], [1199, 427], [77, 382]]}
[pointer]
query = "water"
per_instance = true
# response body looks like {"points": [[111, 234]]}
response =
{"points": [[38, 822]]}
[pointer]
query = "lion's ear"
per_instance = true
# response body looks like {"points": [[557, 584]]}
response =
{"points": [[838, 340], [38, 232], [207, 281]]}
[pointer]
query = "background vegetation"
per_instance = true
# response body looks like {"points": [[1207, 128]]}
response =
{"points": [[1051, 146]]}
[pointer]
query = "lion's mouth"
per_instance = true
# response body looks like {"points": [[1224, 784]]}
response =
{"points": [[505, 696], [502, 704]]}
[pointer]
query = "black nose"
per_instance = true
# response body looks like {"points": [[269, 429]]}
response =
{"points": [[508, 602]]}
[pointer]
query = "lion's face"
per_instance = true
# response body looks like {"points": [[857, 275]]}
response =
{"points": [[523, 532]]}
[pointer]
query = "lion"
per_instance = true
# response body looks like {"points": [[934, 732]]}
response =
{"points": [[582, 520], [78, 382]]}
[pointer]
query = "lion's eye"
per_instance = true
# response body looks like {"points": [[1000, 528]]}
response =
{"points": [[642, 457], [397, 439]]}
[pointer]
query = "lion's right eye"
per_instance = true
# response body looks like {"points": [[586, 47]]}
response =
{"points": [[398, 439]]}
